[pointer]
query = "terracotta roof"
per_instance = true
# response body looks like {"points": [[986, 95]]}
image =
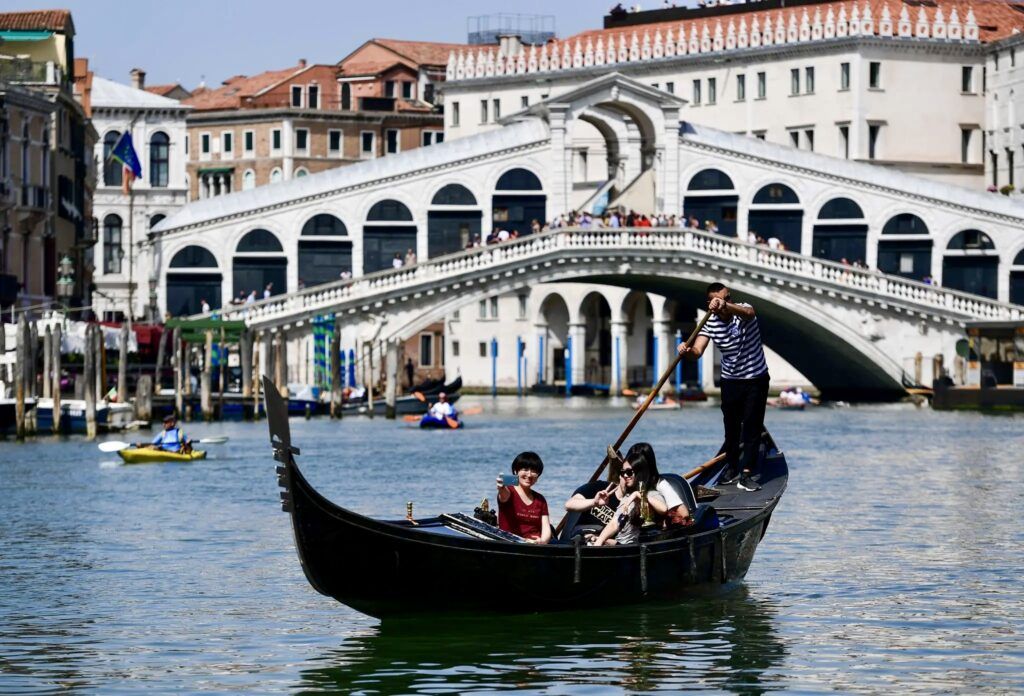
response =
{"points": [[51, 20], [373, 67], [163, 90], [235, 89], [996, 19], [423, 52]]}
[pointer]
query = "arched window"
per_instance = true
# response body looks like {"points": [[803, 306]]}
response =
{"points": [[971, 240], [775, 194], [248, 180], [905, 223], [275, 175], [453, 194], [518, 180], [112, 251], [324, 225], [710, 180], [112, 169], [389, 210], [1019, 260], [840, 209], [301, 172], [156, 220], [258, 241], [193, 256], [1017, 280], [159, 159]]}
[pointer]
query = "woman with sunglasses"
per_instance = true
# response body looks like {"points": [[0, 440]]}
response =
{"points": [[522, 510], [636, 471]]}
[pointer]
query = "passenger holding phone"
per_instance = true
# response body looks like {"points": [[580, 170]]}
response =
{"points": [[522, 510]]}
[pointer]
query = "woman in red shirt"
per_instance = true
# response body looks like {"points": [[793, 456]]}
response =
{"points": [[522, 510]]}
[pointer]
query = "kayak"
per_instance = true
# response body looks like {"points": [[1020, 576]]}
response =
{"points": [[429, 420], [143, 455]]}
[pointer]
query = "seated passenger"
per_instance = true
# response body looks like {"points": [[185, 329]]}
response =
{"points": [[593, 496], [171, 438], [675, 511], [442, 409], [625, 526], [522, 510]]}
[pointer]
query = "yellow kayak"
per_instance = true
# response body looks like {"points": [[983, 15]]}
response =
{"points": [[144, 455]]}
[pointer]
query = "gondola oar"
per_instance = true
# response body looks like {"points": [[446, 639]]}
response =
{"points": [[118, 445], [643, 408]]}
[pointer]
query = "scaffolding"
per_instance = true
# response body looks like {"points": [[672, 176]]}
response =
{"points": [[531, 29]]}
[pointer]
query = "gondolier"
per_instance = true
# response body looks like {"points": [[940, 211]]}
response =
{"points": [[734, 329]]}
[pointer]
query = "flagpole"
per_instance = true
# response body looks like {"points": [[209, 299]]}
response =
{"points": [[131, 252]]}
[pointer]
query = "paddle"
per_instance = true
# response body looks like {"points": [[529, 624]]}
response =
{"points": [[643, 408], [118, 445], [419, 396]]}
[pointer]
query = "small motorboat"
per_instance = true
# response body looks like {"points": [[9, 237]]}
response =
{"points": [[149, 455], [453, 562], [662, 403], [110, 416], [429, 420]]}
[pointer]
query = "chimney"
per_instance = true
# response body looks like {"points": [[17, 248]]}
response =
{"points": [[509, 44], [138, 78], [302, 62]]}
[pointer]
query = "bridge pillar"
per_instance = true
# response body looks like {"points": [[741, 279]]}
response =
{"points": [[620, 357], [665, 342], [578, 334], [559, 176], [541, 346]]}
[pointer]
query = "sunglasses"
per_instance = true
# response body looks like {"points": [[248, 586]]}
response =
{"points": [[627, 472]]}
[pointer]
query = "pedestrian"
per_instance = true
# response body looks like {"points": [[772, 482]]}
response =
{"points": [[735, 330], [410, 372], [251, 297], [205, 306], [410, 257], [268, 291], [396, 262]]}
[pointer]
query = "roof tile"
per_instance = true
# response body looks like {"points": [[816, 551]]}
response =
{"points": [[52, 20]]}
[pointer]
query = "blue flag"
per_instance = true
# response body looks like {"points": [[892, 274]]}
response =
{"points": [[124, 153]]}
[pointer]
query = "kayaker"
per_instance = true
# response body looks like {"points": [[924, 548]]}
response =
{"points": [[172, 438], [442, 409]]}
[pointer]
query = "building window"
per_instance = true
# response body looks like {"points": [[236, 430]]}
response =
{"points": [[275, 139], [391, 140], [432, 137], [483, 111], [494, 308], [188, 152], [407, 90], [967, 79], [426, 348], [249, 141], [248, 180], [762, 86], [227, 142], [965, 144], [875, 75], [112, 169], [455, 113], [496, 109], [844, 76], [844, 142], [483, 349], [389, 89], [334, 141], [794, 81], [301, 172], [794, 138], [712, 90], [302, 139], [367, 147], [296, 96], [346, 96], [159, 159], [455, 349], [760, 135], [695, 99], [809, 80], [112, 251], [314, 97], [741, 88], [524, 102], [204, 141], [275, 175], [809, 139], [874, 130], [1013, 62], [655, 85], [482, 310]]}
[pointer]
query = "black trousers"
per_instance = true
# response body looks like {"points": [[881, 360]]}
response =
{"points": [[743, 402]]}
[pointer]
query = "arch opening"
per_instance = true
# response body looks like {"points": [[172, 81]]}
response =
{"points": [[389, 233], [259, 266], [711, 196], [518, 202], [553, 321], [455, 227], [597, 358], [970, 264], [841, 232], [326, 259], [1017, 280], [192, 277], [775, 213], [905, 247]]}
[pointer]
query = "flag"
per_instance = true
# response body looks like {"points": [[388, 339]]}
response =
{"points": [[124, 152]]}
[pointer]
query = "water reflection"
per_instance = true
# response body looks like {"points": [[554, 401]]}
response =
{"points": [[720, 642]]}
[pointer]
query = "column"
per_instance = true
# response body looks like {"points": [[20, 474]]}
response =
{"points": [[287, 148], [559, 179], [541, 346], [620, 357], [578, 334], [706, 363]]}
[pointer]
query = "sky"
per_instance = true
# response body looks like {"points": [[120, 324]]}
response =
{"points": [[190, 41]]}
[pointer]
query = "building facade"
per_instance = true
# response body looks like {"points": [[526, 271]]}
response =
{"points": [[122, 275], [47, 165]]}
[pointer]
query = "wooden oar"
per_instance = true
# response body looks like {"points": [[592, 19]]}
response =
{"points": [[703, 467], [118, 445], [643, 407]]}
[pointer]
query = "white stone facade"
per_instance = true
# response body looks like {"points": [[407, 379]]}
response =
{"points": [[116, 108]]}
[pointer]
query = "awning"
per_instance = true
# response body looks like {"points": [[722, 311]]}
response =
{"points": [[216, 170], [12, 35]]}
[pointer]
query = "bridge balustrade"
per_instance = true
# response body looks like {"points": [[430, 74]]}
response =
{"points": [[420, 277]]}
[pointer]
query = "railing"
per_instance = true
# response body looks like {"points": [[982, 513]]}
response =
{"points": [[19, 71], [707, 247]]}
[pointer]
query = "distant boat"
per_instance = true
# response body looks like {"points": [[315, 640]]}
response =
{"points": [[109, 416], [8, 414]]}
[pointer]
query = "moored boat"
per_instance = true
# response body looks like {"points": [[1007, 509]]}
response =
{"points": [[109, 416], [146, 455], [452, 562]]}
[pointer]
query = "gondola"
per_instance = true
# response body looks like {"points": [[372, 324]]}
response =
{"points": [[404, 405], [455, 563]]}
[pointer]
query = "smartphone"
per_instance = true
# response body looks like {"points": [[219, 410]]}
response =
{"points": [[509, 479]]}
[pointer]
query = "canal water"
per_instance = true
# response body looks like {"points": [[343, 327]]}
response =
{"points": [[894, 562]]}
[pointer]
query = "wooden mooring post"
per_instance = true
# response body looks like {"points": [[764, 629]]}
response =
{"points": [[160, 355], [47, 362], [391, 369], [205, 397], [178, 353], [281, 364], [55, 388], [20, 368], [245, 364], [89, 377], [32, 376], [368, 376], [122, 365], [336, 386]]}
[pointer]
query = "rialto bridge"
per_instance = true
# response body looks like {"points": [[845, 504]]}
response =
{"points": [[938, 255]]}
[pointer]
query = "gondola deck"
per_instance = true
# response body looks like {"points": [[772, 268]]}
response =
{"points": [[389, 568]]}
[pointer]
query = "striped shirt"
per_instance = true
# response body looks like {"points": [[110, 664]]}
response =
{"points": [[739, 341]]}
